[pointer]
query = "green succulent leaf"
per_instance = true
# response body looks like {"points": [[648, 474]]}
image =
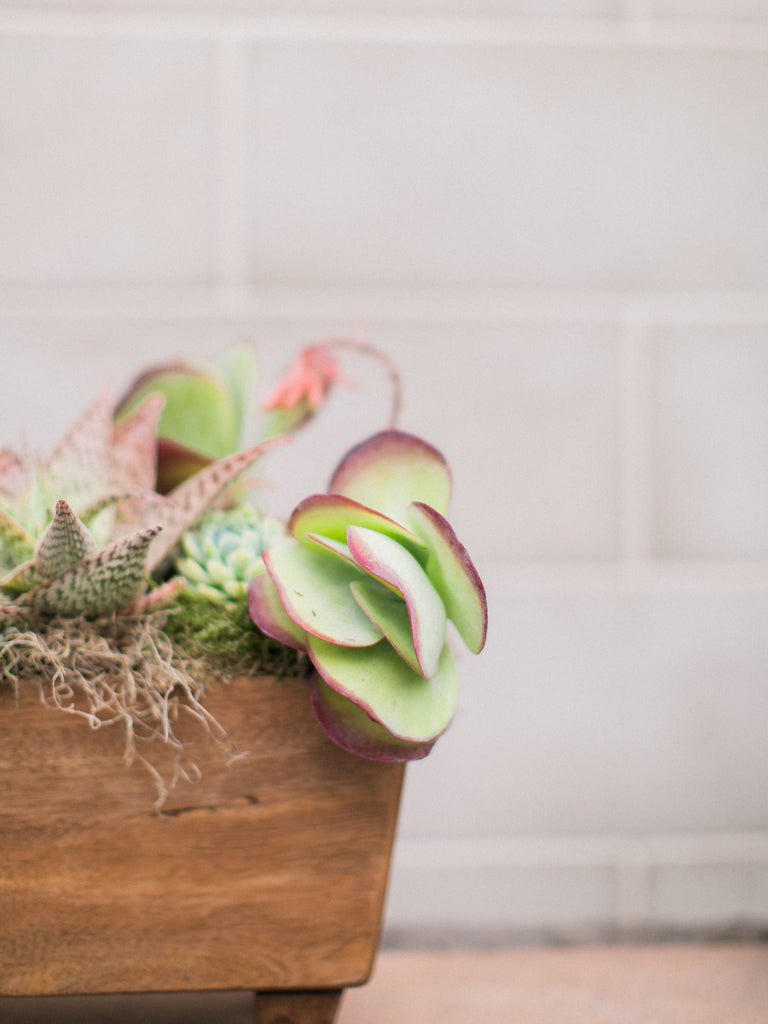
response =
{"points": [[270, 616], [384, 559], [379, 682], [389, 612], [198, 414], [355, 731], [23, 578], [455, 578], [329, 515], [19, 543], [314, 587], [390, 470]]}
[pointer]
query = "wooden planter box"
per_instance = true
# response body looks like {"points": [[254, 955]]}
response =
{"points": [[268, 874]]}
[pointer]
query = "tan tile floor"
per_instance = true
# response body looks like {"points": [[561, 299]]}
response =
{"points": [[663, 984], [718, 984]]}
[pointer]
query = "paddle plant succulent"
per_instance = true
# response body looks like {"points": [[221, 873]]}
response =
{"points": [[366, 582]]}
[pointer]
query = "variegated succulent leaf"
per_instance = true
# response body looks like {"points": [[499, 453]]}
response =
{"points": [[65, 542], [21, 579], [104, 582], [79, 466], [191, 499], [16, 543]]}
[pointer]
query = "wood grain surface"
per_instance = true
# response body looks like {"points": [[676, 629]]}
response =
{"points": [[267, 873]]}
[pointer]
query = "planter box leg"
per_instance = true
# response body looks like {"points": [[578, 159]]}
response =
{"points": [[297, 1007]]}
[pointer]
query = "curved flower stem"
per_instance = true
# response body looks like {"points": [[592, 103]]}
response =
{"points": [[366, 348]]}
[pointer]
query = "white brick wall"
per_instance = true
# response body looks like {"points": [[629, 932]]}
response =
{"points": [[552, 214]]}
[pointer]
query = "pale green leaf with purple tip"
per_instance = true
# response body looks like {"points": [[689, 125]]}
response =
{"points": [[390, 563], [314, 588], [390, 613], [379, 681], [267, 611], [453, 574], [330, 514], [355, 731], [390, 470]]}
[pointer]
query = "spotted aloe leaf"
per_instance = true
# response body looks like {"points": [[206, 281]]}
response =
{"points": [[79, 466], [65, 542], [106, 581]]}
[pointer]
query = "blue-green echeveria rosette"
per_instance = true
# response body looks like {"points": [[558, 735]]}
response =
{"points": [[366, 582]]}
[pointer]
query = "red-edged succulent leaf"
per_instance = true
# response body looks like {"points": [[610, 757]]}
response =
{"points": [[379, 682], [267, 612], [314, 589], [330, 514], [390, 470], [354, 731], [390, 613], [389, 562], [455, 578]]}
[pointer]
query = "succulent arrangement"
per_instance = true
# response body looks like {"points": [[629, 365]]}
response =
{"points": [[142, 519]]}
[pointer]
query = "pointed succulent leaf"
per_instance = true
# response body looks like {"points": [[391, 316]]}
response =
{"points": [[65, 542], [79, 466], [104, 582], [455, 578], [387, 561], [331, 514], [133, 455], [14, 475], [314, 589], [381, 684], [270, 616], [389, 612], [21, 579], [390, 470], [190, 500], [356, 732], [13, 536]]}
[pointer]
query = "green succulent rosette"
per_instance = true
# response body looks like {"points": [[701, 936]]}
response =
{"points": [[366, 582], [219, 558]]}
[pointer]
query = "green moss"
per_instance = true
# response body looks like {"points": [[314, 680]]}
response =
{"points": [[223, 636]]}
